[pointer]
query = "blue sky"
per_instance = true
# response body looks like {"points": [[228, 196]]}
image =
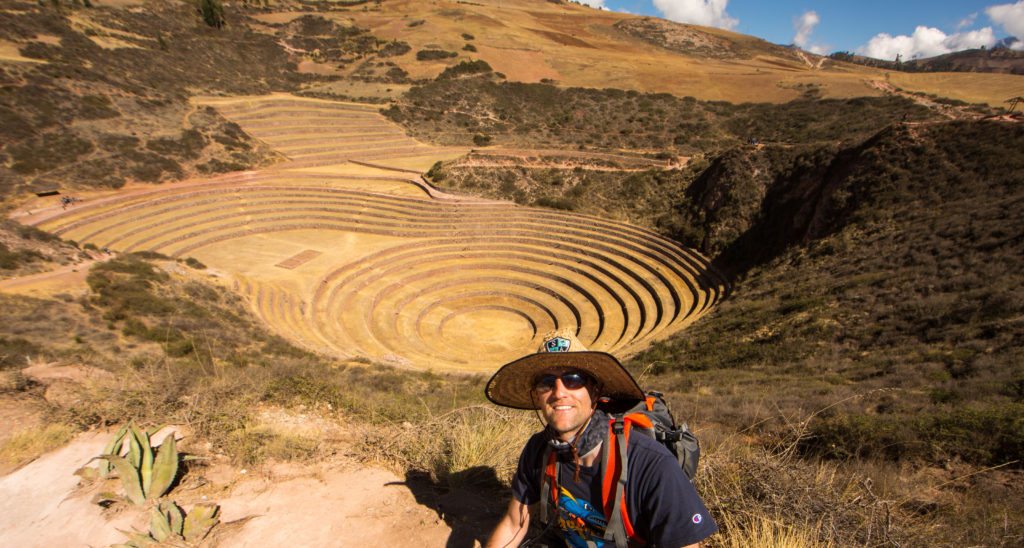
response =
{"points": [[912, 28]]}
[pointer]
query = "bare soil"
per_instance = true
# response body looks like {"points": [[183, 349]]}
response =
{"points": [[337, 503]]}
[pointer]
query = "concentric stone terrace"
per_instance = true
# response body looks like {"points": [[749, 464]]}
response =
{"points": [[368, 264]]}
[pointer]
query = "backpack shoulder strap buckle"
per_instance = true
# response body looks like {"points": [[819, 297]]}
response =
{"points": [[618, 425]]}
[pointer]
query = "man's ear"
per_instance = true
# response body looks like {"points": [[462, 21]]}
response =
{"points": [[595, 390]]}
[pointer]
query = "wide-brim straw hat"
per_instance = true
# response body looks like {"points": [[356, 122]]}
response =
{"points": [[511, 385]]}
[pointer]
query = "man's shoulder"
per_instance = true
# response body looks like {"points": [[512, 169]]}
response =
{"points": [[537, 441], [648, 447], [534, 448]]}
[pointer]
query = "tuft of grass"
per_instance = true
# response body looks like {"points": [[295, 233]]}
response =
{"points": [[459, 446], [27, 445], [763, 531], [250, 446]]}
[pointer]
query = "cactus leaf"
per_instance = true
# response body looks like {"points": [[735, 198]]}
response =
{"points": [[165, 468], [199, 521], [88, 473], [134, 448], [175, 517], [129, 478], [146, 464], [137, 539], [159, 526], [112, 448]]}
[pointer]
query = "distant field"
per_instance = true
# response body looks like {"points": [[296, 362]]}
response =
{"points": [[992, 89], [578, 46], [574, 45]]}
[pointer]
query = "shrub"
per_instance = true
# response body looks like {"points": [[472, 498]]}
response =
{"points": [[9, 260], [434, 55], [436, 172], [394, 48], [465, 68], [47, 152], [982, 435], [555, 203], [212, 13]]}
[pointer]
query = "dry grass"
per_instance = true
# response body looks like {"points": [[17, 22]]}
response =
{"points": [[765, 497], [762, 531], [456, 446], [254, 445], [27, 445], [972, 87], [601, 55]]}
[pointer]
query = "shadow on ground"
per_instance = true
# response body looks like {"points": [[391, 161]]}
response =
{"points": [[470, 502]]}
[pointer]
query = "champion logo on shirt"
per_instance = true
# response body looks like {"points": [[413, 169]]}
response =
{"points": [[697, 518]]}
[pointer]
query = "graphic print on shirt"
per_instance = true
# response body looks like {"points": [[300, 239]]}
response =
{"points": [[579, 521]]}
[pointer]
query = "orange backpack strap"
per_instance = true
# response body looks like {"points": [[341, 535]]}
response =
{"points": [[549, 487], [613, 485]]}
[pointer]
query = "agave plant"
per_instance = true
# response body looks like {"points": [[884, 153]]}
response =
{"points": [[104, 468], [145, 474], [170, 526]]}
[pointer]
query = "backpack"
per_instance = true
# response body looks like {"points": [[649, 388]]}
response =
{"points": [[650, 417]]}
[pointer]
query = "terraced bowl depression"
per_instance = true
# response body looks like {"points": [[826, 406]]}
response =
{"points": [[350, 262]]}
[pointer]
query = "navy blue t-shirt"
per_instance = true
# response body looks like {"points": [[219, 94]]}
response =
{"points": [[664, 508]]}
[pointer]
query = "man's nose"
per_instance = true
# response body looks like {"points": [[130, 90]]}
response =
{"points": [[560, 389]]}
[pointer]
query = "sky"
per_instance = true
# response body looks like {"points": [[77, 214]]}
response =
{"points": [[882, 29]]}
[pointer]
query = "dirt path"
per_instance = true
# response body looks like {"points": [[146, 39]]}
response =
{"points": [[339, 503], [65, 277], [949, 111], [39, 505]]}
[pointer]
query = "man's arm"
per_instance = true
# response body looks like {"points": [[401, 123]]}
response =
{"points": [[512, 527]]}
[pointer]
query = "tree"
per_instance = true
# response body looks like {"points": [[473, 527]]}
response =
{"points": [[1014, 101], [212, 12]]}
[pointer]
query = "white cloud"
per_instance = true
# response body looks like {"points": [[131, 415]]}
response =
{"points": [[926, 42], [972, 39], [804, 26], [599, 4], [1010, 17], [967, 21], [710, 13]]}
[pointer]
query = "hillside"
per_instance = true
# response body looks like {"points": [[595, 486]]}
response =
{"points": [[905, 251], [487, 110], [1001, 60]]}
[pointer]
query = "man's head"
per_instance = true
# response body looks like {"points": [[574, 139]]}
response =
{"points": [[566, 398], [548, 380]]}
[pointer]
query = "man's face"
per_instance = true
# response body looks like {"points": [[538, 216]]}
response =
{"points": [[566, 409]]}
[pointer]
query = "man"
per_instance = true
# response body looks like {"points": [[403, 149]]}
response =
{"points": [[563, 382]]}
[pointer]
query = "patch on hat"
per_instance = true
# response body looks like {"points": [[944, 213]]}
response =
{"points": [[697, 518], [557, 344]]}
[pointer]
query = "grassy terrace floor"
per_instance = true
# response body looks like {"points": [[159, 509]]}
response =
{"points": [[391, 269]]}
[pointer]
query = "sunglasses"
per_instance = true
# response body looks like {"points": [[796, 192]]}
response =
{"points": [[572, 380]]}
